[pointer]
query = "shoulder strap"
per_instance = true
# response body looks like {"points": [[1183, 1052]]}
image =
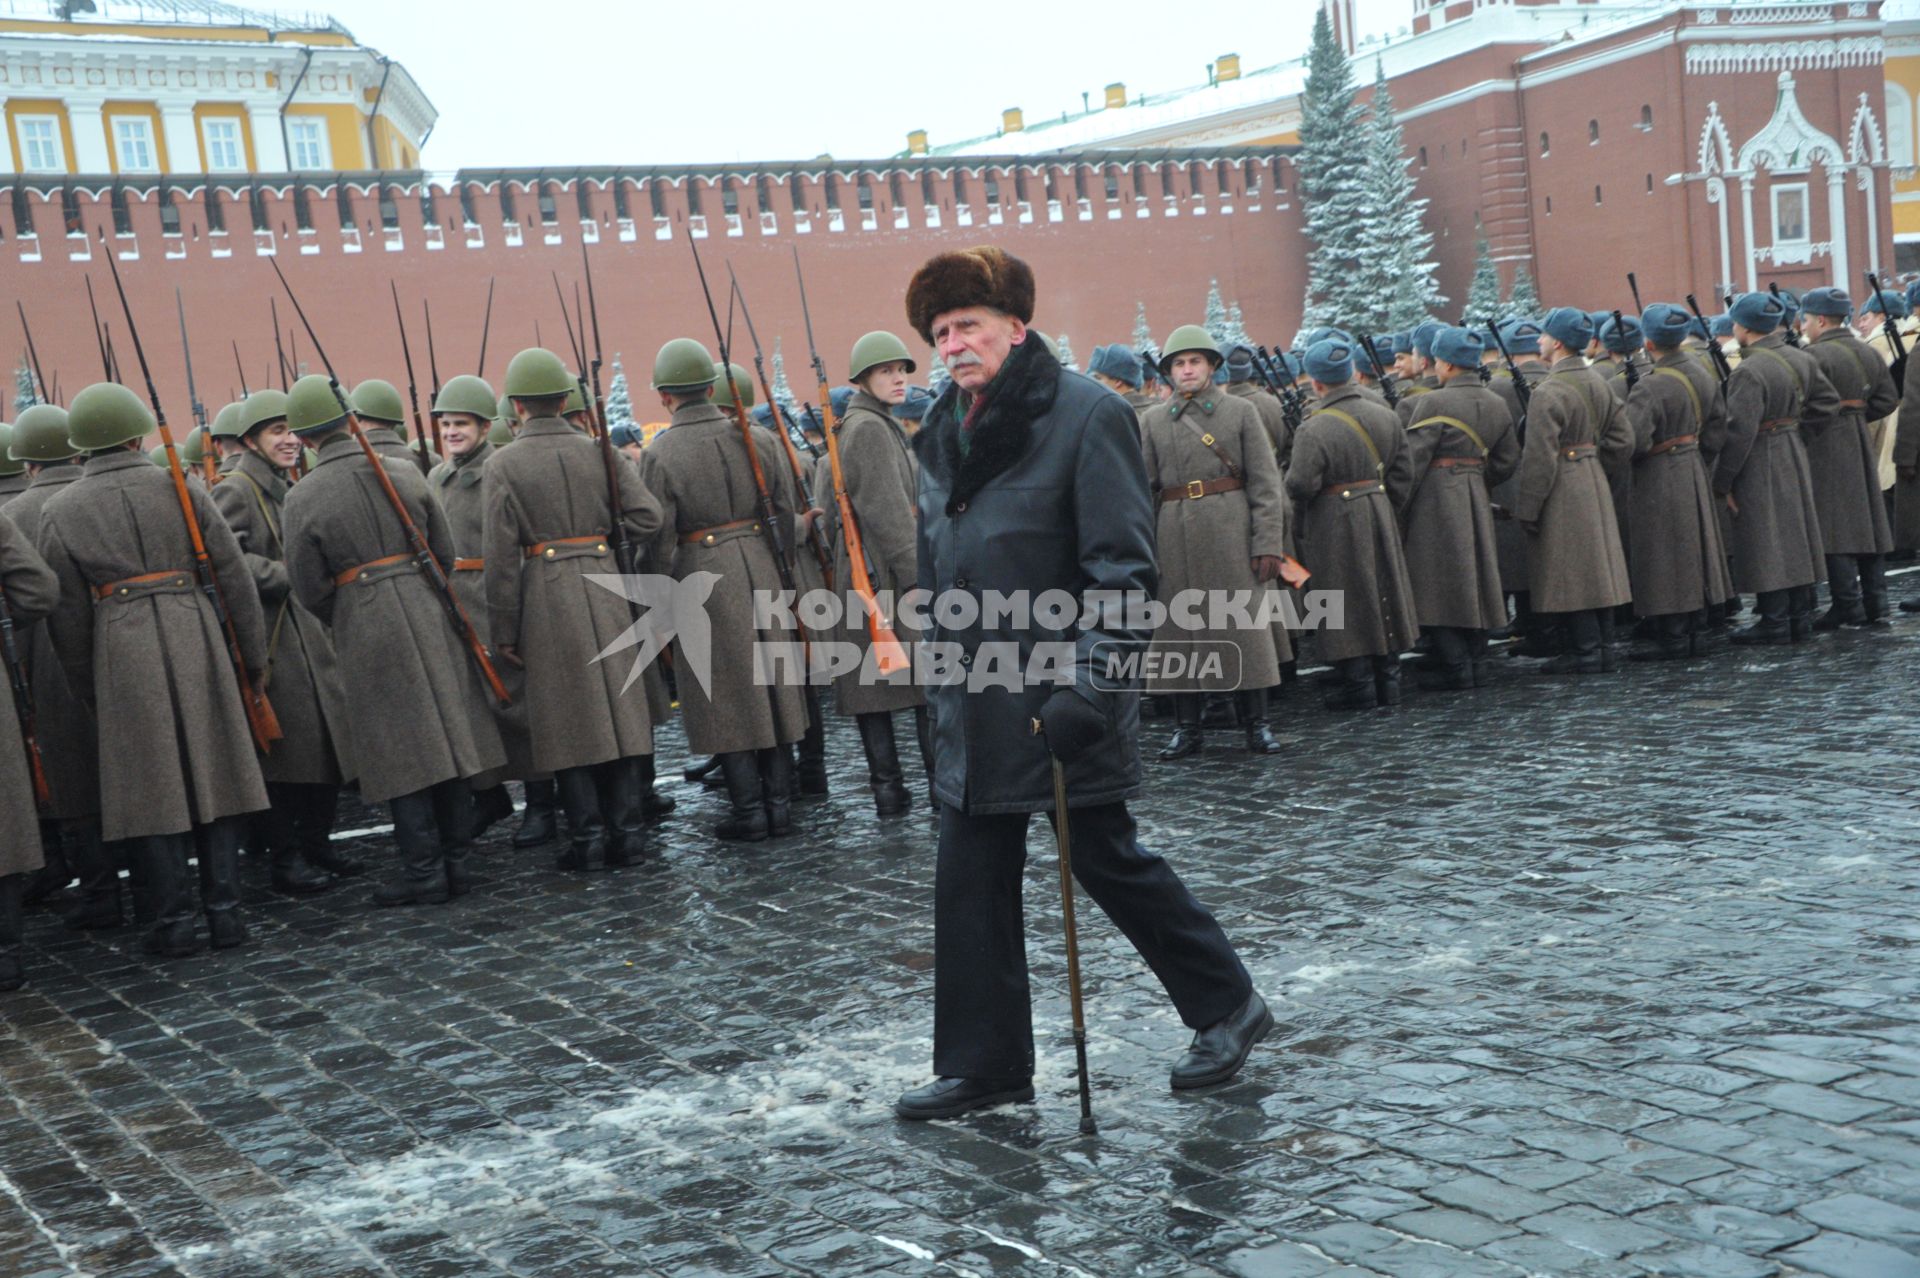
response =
{"points": [[1213, 445], [1353, 424], [1457, 424], [260, 500], [1693, 393], [1799, 391]]}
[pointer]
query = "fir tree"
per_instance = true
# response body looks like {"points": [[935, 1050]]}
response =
{"points": [[1142, 335], [1522, 301], [1067, 360], [619, 398], [23, 396], [1236, 329], [1483, 295], [781, 390], [1215, 321], [1396, 276], [937, 376], [1332, 162]]}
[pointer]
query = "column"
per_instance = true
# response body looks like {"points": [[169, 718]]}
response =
{"points": [[1746, 225], [183, 137], [269, 144], [90, 154], [1837, 222]]}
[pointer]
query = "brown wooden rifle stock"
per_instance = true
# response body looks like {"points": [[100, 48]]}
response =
{"points": [[23, 704]]}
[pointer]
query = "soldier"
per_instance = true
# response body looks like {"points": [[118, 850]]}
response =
{"points": [[1423, 379], [1872, 329], [69, 741], [306, 769], [877, 463], [1854, 530], [700, 471], [1622, 364], [1575, 429], [136, 634], [1221, 528], [1351, 470], [626, 438], [30, 592], [1273, 418], [1118, 369], [1459, 443], [383, 416], [1522, 340], [1762, 474], [549, 527], [13, 474], [1678, 562], [416, 705]]}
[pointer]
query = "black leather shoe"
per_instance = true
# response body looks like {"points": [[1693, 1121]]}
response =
{"points": [[490, 806], [1186, 740], [538, 828], [1218, 1051], [1839, 615], [1763, 632], [952, 1097]]}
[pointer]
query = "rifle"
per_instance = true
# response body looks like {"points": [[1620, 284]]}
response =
{"points": [[433, 371], [769, 517], [1379, 371], [413, 390], [622, 544], [279, 347], [23, 706], [106, 363], [486, 326], [186, 353], [813, 449], [1292, 401], [1632, 373], [260, 717], [241, 369], [574, 344], [1522, 391], [33, 356], [1899, 366], [1793, 337], [1634, 286], [1721, 367], [1148, 370], [416, 541], [786, 437]]}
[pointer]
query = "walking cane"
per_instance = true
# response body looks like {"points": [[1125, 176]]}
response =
{"points": [[1087, 1127]]}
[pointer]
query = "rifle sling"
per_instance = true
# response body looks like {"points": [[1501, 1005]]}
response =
{"points": [[1212, 445], [1353, 424], [1455, 422]]}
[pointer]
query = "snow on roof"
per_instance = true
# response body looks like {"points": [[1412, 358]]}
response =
{"points": [[208, 13]]}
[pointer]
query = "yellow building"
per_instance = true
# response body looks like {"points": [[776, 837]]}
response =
{"points": [[110, 87], [1903, 96]]}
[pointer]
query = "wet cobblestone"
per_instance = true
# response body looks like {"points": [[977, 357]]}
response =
{"points": [[1578, 979]]}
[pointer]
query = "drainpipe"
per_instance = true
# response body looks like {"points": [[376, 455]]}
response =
{"points": [[286, 141], [373, 148]]}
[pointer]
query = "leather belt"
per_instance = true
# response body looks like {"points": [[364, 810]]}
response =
{"points": [[469, 565], [1194, 489], [352, 575], [1358, 488], [709, 536], [1855, 404], [1668, 445], [1455, 463], [552, 549], [128, 585], [1573, 452], [1780, 423]]}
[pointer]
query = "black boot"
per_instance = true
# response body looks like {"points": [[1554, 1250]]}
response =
{"points": [[890, 797], [292, 875], [313, 822], [1354, 688], [11, 928], [1873, 588], [537, 827], [47, 884], [1584, 646], [813, 750], [490, 805], [1452, 669], [923, 729], [706, 772], [163, 883], [1253, 710], [1188, 737], [654, 806], [1773, 622], [422, 872], [99, 903], [776, 785], [218, 848], [455, 818], [623, 802], [747, 823], [1669, 641], [1800, 622], [1605, 618], [586, 824], [1386, 680], [1843, 587]]}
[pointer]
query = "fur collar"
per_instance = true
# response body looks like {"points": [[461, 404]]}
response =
{"points": [[1022, 393]]}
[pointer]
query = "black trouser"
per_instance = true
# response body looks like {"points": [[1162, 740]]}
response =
{"points": [[982, 1016], [1456, 647], [301, 816], [1858, 579]]}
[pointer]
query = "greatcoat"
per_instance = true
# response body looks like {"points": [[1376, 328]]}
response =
{"points": [[1574, 426], [1507, 532], [31, 591], [1776, 541], [1460, 443], [1678, 560], [69, 740], [1840, 454]]}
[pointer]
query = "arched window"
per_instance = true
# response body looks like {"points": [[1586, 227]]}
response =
{"points": [[1593, 132], [1899, 126], [1423, 157], [1646, 119], [1544, 147], [1549, 206], [1596, 195]]}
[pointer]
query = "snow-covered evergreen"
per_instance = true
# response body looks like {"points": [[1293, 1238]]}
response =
{"points": [[782, 391], [1333, 181], [1236, 329], [1483, 295], [1397, 274], [1522, 299], [1067, 359], [1142, 334], [1215, 320], [937, 376], [619, 397], [23, 396]]}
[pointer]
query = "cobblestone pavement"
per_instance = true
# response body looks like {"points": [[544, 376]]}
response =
{"points": [[1599, 977]]}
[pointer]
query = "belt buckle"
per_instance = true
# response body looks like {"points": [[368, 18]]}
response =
{"points": [[1194, 487]]}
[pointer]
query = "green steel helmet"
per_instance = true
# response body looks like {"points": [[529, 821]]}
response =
{"points": [[226, 423], [501, 435], [257, 409], [106, 415], [503, 411], [683, 364], [40, 435], [879, 347], [735, 383], [158, 456], [193, 449], [8, 466], [466, 394], [1190, 337], [312, 405], [308, 459], [535, 374], [375, 401], [576, 402]]}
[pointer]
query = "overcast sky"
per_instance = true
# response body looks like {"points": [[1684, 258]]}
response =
{"points": [[600, 82]]}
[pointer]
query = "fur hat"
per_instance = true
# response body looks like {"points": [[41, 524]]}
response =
{"points": [[983, 276]]}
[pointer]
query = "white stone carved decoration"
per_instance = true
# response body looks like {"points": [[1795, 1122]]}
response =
{"points": [[1750, 15], [1784, 55], [1790, 144], [1716, 160]]}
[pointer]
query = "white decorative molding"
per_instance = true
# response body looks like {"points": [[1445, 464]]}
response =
{"points": [[1784, 55], [1716, 148], [1789, 140], [1864, 143], [1751, 15]]}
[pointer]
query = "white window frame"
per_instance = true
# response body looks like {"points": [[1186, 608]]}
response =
{"points": [[27, 147], [238, 141], [1806, 214], [134, 131], [322, 145]]}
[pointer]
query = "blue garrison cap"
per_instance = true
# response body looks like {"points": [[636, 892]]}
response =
{"points": [[1723, 325], [1117, 362], [1326, 333], [1830, 303], [1423, 335], [1665, 324], [1460, 347], [1330, 361], [1759, 312], [1895, 302], [1522, 336], [623, 434], [1621, 338], [1568, 326]]}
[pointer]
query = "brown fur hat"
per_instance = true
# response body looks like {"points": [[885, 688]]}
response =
{"points": [[982, 276]]}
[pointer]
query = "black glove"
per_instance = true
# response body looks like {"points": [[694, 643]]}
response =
{"points": [[1073, 725]]}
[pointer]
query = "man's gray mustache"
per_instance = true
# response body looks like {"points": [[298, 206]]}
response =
{"points": [[966, 360]]}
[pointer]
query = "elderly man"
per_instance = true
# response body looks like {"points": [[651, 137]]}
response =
{"points": [[1019, 453]]}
